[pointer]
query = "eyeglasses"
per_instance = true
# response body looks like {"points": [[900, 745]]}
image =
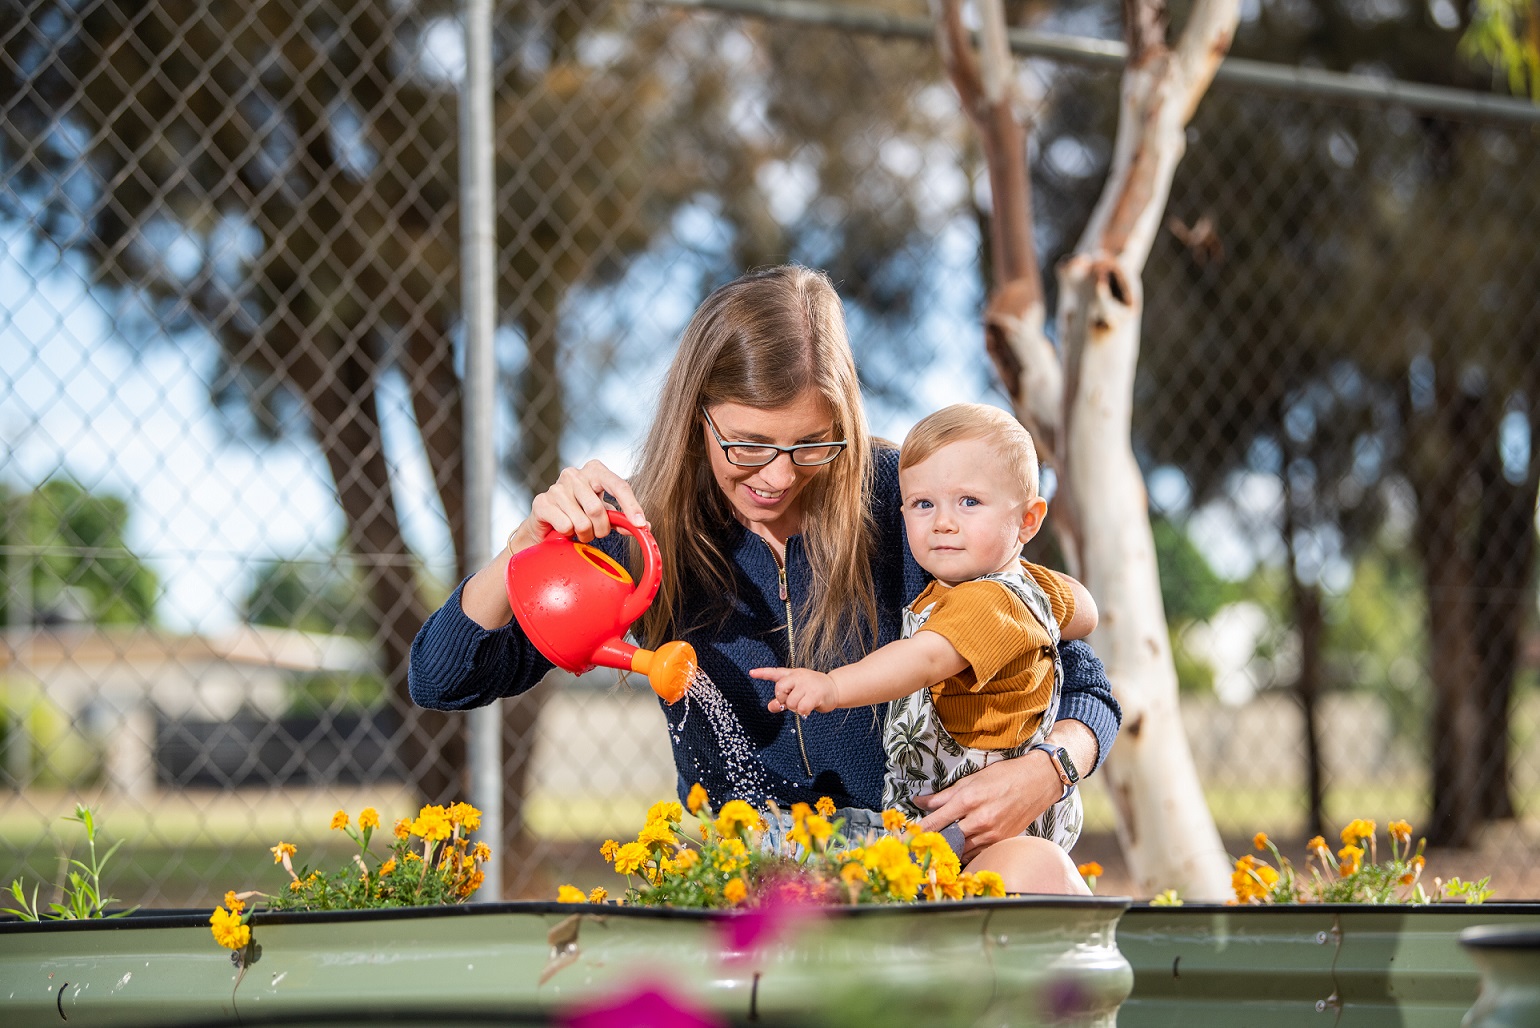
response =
{"points": [[757, 455]]}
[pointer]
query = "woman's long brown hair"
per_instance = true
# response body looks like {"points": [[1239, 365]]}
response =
{"points": [[763, 340]]}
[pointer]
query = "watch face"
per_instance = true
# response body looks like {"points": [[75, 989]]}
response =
{"points": [[1069, 765]]}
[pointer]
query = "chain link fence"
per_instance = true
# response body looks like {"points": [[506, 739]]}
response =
{"points": [[230, 354]]}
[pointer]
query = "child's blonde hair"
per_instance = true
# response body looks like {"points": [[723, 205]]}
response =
{"points": [[974, 421]]}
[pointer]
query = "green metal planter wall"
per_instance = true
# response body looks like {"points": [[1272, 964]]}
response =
{"points": [[1287, 966], [1000, 962]]}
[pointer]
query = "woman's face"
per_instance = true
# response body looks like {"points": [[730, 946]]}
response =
{"points": [[768, 499]]}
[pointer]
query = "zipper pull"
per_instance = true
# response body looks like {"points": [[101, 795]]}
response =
{"points": [[782, 571]]}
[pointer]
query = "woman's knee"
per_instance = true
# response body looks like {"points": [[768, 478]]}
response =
{"points": [[1030, 864]]}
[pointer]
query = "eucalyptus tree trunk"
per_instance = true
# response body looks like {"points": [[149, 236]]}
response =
{"points": [[1079, 407]]}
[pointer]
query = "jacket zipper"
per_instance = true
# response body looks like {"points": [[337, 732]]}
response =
{"points": [[791, 654]]}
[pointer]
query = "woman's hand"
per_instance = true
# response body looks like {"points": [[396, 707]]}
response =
{"points": [[573, 506], [998, 801]]}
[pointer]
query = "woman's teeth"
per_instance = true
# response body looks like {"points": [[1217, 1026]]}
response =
{"points": [[767, 495]]}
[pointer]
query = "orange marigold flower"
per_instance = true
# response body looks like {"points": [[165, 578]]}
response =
{"points": [[1090, 870], [465, 815], [825, 806], [697, 798], [368, 818], [283, 849], [608, 850], [800, 812], [339, 820], [234, 902], [1400, 831], [1350, 857], [1259, 840], [989, 883], [387, 867], [1316, 843], [894, 820], [482, 853], [598, 895], [686, 860], [666, 810], [1358, 829], [735, 891], [853, 871]]}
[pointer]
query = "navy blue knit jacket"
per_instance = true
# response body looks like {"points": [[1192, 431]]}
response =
{"points": [[456, 664]]}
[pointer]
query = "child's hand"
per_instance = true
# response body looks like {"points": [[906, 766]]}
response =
{"points": [[799, 689]]}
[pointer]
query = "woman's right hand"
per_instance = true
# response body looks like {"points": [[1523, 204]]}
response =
{"points": [[574, 506]]}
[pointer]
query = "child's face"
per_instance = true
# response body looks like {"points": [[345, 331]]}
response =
{"points": [[967, 511]]}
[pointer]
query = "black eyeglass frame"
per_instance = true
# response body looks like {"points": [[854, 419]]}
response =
{"points": [[791, 451]]}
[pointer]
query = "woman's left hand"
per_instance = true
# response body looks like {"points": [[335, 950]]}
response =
{"points": [[1000, 800]]}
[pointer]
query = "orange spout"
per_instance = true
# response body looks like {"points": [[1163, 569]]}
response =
{"points": [[669, 668]]}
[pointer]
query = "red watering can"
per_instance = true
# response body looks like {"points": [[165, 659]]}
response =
{"points": [[575, 603]]}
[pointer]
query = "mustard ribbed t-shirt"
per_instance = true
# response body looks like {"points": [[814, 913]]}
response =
{"points": [[998, 700]]}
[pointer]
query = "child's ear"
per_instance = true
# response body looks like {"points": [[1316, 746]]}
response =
{"points": [[1032, 519]]}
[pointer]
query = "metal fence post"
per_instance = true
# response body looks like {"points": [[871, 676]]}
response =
{"points": [[479, 286]]}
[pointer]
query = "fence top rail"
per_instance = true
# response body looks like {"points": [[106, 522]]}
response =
{"points": [[1103, 53]]}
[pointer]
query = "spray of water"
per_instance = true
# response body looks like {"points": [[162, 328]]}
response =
{"points": [[737, 754]]}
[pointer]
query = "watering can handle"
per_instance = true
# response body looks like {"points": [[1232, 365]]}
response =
{"points": [[652, 566]]}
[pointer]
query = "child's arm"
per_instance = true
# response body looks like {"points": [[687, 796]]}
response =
{"points": [[895, 670], [1084, 620]]}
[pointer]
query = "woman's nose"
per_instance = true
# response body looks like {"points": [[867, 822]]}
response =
{"points": [[779, 473]]}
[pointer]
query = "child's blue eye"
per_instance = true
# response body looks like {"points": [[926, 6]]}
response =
{"points": [[969, 501], [921, 505]]}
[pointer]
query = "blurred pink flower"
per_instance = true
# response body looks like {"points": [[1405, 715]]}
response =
{"points": [[641, 1005]]}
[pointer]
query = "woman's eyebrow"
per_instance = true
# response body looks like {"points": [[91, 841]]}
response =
{"points": [[759, 437]]}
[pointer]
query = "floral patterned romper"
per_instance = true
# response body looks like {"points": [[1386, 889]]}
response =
{"points": [[924, 758]]}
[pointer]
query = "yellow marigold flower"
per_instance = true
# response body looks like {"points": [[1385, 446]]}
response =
{"points": [[608, 850], [598, 895], [387, 867], [1416, 864], [800, 812], [732, 855], [853, 871], [1090, 869], [819, 827], [432, 823], [853, 853], [697, 798], [1350, 857], [887, 855], [894, 820], [1358, 829], [930, 844], [1317, 843], [904, 881], [339, 820], [1259, 840], [296, 885], [666, 810], [412, 856], [989, 883], [735, 891], [1252, 880], [228, 930], [234, 902], [799, 836], [657, 833], [402, 828], [949, 880], [465, 815], [368, 818], [570, 894], [630, 857], [482, 853], [281, 849], [472, 883], [735, 815], [825, 806], [686, 860], [1400, 831]]}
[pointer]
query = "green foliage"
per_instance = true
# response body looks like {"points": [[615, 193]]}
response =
{"points": [[70, 543], [1189, 588], [324, 596], [82, 892], [1505, 35]]}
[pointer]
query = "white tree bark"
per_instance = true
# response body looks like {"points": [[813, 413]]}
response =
{"points": [[1085, 428]]}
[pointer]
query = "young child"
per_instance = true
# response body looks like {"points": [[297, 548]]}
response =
{"points": [[975, 677]]}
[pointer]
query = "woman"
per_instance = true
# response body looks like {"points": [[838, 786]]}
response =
{"points": [[782, 537]]}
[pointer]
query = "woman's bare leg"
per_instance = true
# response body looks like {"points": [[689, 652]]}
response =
{"points": [[1029, 864]]}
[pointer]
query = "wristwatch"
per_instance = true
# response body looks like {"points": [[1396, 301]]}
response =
{"points": [[1069, 775]]}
